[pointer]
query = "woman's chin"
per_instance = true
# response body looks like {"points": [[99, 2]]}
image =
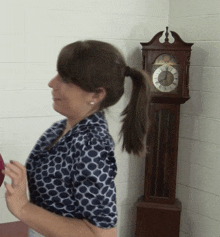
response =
{"points": [[57, 108]]}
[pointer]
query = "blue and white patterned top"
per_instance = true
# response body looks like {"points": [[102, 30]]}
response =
{"points": [[75, 178]]}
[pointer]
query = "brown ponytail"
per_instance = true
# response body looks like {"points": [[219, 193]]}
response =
{"points": [[135, 122]]}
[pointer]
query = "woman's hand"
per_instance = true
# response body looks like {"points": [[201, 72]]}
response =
{"points": [[16, 196]]}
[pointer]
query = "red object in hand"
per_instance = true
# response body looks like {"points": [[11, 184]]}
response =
{"points": [[2, 167]]}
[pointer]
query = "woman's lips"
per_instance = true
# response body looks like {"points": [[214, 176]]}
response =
{"points": [[56, 99]]}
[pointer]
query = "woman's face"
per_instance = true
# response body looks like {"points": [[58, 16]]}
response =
{"points": [[69, 99]]}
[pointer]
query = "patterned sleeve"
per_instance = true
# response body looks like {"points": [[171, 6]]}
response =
{"points": [[93, 183]]}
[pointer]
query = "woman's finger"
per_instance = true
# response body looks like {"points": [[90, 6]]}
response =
{"points": [[13, 176], [9, 188], [13, 168], [19, 166], [10, 174]]}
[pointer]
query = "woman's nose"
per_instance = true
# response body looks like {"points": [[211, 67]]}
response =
{"points": [[53, 82]]}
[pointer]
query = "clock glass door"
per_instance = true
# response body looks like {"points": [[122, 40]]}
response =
{"points": [[165, 76]]}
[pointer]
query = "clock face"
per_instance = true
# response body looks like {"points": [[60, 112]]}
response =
{"points": [[165, 78], [165, 75]]}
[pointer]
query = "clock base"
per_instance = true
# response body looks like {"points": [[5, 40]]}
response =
{"points": [[158, 220]]}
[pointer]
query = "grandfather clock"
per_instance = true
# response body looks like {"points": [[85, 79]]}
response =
{"points": [[167, 64]]}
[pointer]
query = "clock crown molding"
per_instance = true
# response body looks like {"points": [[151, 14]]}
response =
{"points": [[170, 85], [178, 43]]}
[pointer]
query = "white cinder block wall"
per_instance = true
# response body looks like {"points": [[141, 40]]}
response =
{"points": [[31, 35], [198, 186]]}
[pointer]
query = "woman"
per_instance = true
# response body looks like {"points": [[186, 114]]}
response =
{"points": [[71, 169]]}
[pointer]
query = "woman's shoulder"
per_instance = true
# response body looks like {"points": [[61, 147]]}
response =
{"points": [[96, 151], [98, 136]]}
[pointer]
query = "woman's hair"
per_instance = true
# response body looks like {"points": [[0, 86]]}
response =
{"points": [[93, 64]]}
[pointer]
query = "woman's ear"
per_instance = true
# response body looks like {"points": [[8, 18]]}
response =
{"points": [[99, 95]]}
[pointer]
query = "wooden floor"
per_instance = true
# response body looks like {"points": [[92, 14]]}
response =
{"points": [[14, 229]]}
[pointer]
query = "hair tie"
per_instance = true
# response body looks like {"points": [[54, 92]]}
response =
{"points": [[127, 71]]}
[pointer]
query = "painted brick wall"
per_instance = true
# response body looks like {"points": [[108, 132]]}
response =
{"points": [[31, 36], [199, 145]]}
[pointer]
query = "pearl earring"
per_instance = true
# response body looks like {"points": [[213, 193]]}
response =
{"points": [[92, 103]]}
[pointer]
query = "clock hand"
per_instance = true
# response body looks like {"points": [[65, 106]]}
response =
{"points": [[165, 76], [166, 71]]}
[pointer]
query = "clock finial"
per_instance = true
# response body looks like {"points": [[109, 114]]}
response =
{"points": [[167, 34]]}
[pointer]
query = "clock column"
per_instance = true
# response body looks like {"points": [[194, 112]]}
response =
{"points": [[158, 211]]}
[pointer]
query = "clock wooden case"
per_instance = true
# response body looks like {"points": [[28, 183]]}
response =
{"points": [[167, 64]]}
